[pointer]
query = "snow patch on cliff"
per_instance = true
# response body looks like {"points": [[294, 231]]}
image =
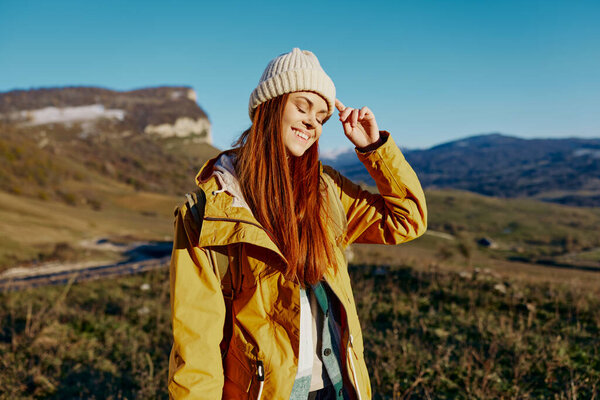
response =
{"points": [[50, 115]]}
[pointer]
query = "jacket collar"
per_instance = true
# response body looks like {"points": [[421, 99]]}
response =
{"points": [[227, 217]]}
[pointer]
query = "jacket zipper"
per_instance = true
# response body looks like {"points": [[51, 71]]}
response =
{"points": [[349, 355], [260, 373]]}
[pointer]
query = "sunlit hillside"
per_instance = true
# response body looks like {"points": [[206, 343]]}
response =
{"points": [[78, 164]]}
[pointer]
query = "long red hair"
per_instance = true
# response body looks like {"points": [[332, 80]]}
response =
{"points": [[284, 194]]}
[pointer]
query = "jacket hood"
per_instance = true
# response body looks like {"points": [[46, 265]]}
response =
{"points": [[224, 171], [227, 217]]}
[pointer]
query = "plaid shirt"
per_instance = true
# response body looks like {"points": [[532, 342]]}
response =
{"points": [[330, 345]]}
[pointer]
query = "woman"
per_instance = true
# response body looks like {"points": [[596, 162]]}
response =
{"points": [[260, 298]]}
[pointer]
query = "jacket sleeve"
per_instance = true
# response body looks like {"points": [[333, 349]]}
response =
{"points": [[197, 316], [396, 214]]}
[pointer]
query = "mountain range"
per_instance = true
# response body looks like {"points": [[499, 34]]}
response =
{"points": [[155, 139], [565, 171]]}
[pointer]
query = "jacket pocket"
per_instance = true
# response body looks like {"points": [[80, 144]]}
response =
{"points": [[238, 375]]}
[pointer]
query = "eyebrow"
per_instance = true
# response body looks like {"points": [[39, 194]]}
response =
{"points": [[311, 104]]}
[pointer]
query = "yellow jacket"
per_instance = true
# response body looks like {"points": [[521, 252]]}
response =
{"points": [[263, 318]]}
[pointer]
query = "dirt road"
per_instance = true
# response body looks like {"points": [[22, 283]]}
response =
{"points": [[139, 257]]}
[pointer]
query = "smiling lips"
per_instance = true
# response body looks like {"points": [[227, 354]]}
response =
{"points": [[300, 134]]}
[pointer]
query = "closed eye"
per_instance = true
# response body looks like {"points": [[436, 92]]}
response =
{"points": [[304, 112]]}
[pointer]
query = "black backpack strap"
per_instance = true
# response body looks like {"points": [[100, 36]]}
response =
{"points": [[196, 201]]}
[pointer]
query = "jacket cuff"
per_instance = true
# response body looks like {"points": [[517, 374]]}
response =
{"points": [[383, 136], [386, 145]]}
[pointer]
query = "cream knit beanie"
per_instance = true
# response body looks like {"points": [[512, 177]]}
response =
{"points": [[296, 71]]}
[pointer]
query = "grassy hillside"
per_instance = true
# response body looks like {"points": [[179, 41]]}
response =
{"points": [[33, 228], [429, 333], [96, 340], [36, 161], [522, 229], [59, 186], [443, 335], [523, 232], [526, 231]]}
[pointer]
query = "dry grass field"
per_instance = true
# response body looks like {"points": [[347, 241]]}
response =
{"points": [[429, 332], [32, 228]]}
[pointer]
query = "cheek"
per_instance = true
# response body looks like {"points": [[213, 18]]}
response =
{"points": [[319, 131], [291, 114]]}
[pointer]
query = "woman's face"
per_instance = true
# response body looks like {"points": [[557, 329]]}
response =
{"points": [[303, 118]]}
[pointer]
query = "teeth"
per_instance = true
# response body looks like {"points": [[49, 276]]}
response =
{"points": [[302, 135]]}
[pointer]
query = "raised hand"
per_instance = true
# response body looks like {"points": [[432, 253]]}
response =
{"points": [[360, 126]]}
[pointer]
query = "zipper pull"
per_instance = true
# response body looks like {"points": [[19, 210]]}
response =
{"points": [[260, 374], [260, 371]]}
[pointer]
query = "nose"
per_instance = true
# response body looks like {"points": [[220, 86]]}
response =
{"points": [[310, 122]]}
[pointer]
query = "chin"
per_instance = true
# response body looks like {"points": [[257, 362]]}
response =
{"points": [[295, 153], [298, 152]]}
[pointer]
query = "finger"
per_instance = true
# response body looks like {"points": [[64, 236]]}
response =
{"points": [[344, 114], [347, 128], [339, 105], [354, 117], [363, 111]]}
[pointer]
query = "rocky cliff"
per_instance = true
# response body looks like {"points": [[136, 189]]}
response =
{"points": [[154, 139], [164, 111]]}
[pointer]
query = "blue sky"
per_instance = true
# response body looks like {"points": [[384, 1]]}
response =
{"points": [[431, 71]]}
